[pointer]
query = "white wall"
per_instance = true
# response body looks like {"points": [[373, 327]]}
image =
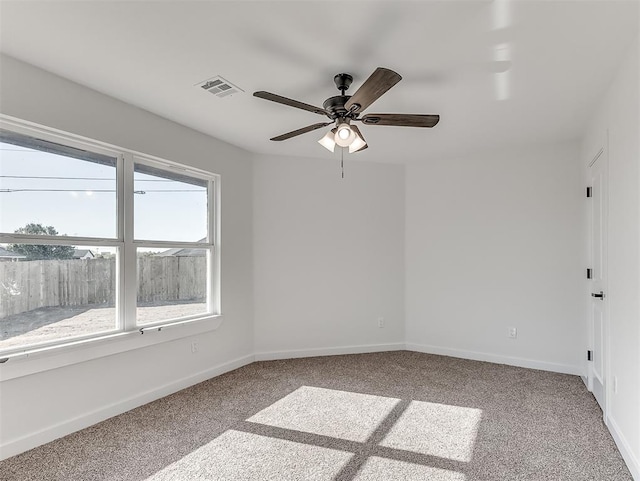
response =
{"points": [[36, 407], [618, 119], [329, 256], [494, 241]]}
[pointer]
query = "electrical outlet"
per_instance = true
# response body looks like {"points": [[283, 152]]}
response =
{"points": [[512, 333], [381, 322], [194, 347]]}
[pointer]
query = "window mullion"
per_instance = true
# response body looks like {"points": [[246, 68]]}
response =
{"points": [[57, 240], [128, 264]]}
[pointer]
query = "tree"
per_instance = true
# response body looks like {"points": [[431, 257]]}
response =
{"points": [[41, 251]]}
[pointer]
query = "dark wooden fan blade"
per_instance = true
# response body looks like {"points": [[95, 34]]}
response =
{"points": [[402, 120], [303, 130], [290, 102], [381, 80]]}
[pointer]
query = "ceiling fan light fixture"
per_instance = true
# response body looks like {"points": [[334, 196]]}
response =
{"points": [[328, 141], [344, 134]]}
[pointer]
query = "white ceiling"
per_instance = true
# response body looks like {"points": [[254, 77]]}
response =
{"points": [[151, 54]]}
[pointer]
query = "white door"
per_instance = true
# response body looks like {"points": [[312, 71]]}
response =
{"points": [[598, 282]]}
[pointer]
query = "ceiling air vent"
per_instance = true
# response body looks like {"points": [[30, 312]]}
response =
{"points": [[220, 87]]}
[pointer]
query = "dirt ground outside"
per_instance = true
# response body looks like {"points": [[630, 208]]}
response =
{"points": [[57, 323]]}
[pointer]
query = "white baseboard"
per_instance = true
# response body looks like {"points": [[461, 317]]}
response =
{"points": [[498, 359], [19, 445], [624, 448], [329, 351], [32, 440]]}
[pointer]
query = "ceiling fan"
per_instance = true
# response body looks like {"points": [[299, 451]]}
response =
{"points": [[343, 110]]}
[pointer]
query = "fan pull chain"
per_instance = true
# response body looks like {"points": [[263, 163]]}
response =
{"points": [[342, 160]]}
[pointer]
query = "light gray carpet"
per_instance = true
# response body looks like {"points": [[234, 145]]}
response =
{"points": [[371, 417]]}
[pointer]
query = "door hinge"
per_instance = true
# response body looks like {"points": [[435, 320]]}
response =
{"points": [[589, 273], [589, 192], [589, 355]]}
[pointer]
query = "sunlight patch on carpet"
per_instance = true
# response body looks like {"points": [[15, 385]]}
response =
{"points": [[338, 414], [382, 469], [436, 430], [241, 456]]}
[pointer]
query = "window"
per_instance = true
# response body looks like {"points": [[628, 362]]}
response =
{"points": [[171, 226], [54, 185], [180, 200], [96, 241]]}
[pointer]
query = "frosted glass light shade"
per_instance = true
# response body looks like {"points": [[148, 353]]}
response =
{"points": [[328, 141], [357, 144]]}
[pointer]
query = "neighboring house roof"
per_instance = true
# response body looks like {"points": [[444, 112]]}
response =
{"points": [[83, 254], [189, 252], [186, 252], [7, 254]]}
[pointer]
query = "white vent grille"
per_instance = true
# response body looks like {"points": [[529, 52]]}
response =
{"points": [[220, 87]]}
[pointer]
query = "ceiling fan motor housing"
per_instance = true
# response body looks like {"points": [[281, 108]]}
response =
{"points": [[335, 106]]}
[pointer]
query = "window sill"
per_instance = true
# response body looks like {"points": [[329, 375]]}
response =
{"points": [[45, 359]]}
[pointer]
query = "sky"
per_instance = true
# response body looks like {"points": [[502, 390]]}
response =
{"points": [[78, 198]]}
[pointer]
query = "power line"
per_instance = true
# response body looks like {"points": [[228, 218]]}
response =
{"points": [[77, 178], [9, 191]]}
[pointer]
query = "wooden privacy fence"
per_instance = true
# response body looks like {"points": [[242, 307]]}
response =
{"points": [[29, 285], [172, 278]]}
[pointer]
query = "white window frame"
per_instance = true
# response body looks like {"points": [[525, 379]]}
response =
{"points": [[126, 281], [131, 244]]}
